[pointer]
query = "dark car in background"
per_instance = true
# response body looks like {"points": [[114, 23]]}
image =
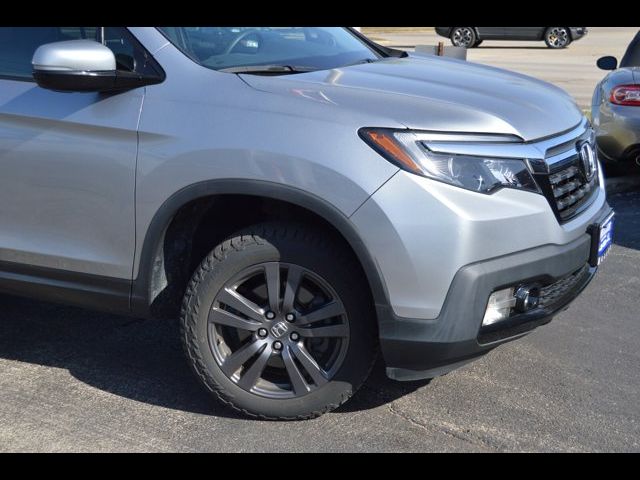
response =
{"points": [[554, 37], [615, 107]]}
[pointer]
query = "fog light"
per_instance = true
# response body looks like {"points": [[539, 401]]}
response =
{"points": [[499, 307], [527, 298]]}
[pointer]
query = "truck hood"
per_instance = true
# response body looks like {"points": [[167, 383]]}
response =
{"points": [[434, 93]]}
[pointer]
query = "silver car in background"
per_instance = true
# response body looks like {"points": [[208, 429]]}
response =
{"points": [[615, 107]]}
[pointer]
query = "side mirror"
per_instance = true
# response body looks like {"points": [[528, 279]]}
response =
{"points": [[607, 63], [75, 66], [84, 66]]}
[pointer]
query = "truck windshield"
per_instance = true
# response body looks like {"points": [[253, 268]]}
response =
{"points": [[281, 50]]}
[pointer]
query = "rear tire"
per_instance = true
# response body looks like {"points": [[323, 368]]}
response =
{"points": [[298, 379], [557, 37], [478, 43], [463, 37]]}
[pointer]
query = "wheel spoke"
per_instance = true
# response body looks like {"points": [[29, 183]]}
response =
{"points": [[329, 310], [272, 274], [238, 358], [298, 382], [309, 364], [294, 276], [241, 303], [251, 363], [340, 330], [222, 317], [251, 376]]}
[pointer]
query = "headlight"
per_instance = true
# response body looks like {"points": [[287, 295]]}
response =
{"points": [[483, 174]]}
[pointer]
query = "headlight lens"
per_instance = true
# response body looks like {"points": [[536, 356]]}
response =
{"points": [[480, 174]]}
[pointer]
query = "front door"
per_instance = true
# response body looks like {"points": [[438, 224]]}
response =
{"points": [[523, 33], [67, 163]]}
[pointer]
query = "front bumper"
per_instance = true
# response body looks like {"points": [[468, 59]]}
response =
{"points": [[418, 348], [441, 251]]}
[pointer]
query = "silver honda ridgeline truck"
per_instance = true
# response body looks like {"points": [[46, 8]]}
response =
{"points": [[300, 197]]}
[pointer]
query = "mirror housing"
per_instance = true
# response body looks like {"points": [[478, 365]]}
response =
{"points": [[607, 63], [82, 66]]}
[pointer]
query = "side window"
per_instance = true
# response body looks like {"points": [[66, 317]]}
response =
{"points": [[118, 41], [17, 45], [130, 55]]}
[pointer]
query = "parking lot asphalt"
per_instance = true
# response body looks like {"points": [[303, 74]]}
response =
{"points": [[77, 380], [573, 68]]}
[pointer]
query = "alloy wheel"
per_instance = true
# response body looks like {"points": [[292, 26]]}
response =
{"points": [[463, 37], [557, 37], [278, 330]]}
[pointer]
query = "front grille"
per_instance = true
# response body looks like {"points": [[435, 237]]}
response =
{"points": [[551, 294], [571, 189], [564, 180]]}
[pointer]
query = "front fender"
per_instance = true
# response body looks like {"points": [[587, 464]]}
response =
{"points": [[153, 238]]}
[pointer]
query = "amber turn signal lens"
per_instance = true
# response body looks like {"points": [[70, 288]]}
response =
{"points": [[386, 142]]}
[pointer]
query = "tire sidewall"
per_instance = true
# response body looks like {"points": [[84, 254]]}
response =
{"points": [[546, 38], [474, 37], [323, 262]]}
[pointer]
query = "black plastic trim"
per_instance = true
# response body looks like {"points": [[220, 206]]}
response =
{"points": [[380, 49], [62, 286], [141, 288], [108, 81]]}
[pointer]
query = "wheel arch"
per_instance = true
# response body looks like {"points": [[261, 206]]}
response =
{"points": [[545, 29], [475, 30], [150, 261], [570, 33]]}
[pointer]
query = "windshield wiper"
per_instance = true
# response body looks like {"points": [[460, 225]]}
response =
{"points": [[363, 61], [267, 69]]}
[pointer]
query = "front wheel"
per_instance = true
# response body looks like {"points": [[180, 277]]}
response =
{"points": [[557, 37], [463, 37], [278, 324]]}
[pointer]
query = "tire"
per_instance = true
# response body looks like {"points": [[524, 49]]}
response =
{"points": [[478, 43], [245, 264], [557, 37], [463, 37]]}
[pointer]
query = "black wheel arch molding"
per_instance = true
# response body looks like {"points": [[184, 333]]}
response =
{"points": [[142, 288]]}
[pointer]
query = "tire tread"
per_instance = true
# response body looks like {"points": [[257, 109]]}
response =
{"points": [[189, 312]]}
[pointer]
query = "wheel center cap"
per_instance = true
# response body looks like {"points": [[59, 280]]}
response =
{"points": [[279, 329]]}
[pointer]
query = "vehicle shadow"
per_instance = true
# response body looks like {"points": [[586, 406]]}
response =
{"points": [[133, 358], [626, 229], [623, 195], [379, 390], [512, 47]]}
